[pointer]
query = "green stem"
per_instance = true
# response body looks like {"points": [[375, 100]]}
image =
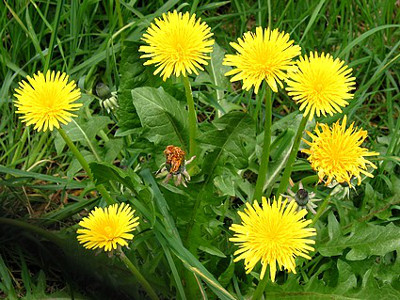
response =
{"points": [[262, 173], [76, 152], [145, 284], [105, 194], [292, 157], [85, 166], [321, 209], [91, 146], [261, 287], [192, 116]]}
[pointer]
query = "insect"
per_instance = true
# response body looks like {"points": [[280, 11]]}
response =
{"points": [[175, 166]]}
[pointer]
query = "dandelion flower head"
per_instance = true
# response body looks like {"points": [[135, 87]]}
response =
{"points": [[274, 233], [321, 85], [109, 227], [177, 44], [336, 153], [264, 55]]}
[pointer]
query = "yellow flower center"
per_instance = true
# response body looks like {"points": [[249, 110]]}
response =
{"points": [[110, 234], [179, 53], [266, 68], [319, 88], [108, 230], [271, 238]]}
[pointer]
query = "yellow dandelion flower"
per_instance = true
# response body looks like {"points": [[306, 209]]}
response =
{"points": [[177, 44], [336, 152], [273, 234], [47, 100], [266, 54], [107, 227], [321, 85]]}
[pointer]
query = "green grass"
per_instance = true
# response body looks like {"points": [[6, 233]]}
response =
{"points": [[96, 41]]}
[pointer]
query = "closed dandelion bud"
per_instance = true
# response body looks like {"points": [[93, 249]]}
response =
{"points": [[108, 99], [103, 91], [302, 197]]}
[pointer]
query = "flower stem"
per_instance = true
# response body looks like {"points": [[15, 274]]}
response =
{"points": [[90, 144], [76, 152], [262, 173], [321, 209], [85, 166], [192, 116], [145, 284], [292, 157], [105, 194], [261, 287]]}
